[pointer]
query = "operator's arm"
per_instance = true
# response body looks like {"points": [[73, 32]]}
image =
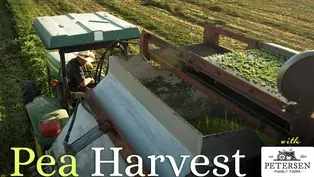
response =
{"points": [[87, 81], [80, 77], [89, 66]]}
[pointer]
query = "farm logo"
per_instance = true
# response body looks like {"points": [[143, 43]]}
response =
{"points": [[286, 156], [287, 161]]}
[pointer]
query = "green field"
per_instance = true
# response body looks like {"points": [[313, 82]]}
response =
{"points": [[14, 125], [286, 22]]}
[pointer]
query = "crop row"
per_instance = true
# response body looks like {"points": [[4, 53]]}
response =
{"points": [[33, 52]]}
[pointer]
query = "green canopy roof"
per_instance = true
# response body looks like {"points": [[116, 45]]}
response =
{"points": [[79, 29]]}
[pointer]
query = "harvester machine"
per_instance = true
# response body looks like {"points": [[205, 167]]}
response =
{"points": [[167, 100]]}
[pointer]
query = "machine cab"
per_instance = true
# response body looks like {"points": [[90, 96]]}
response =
{"points": [[65, 34], [77, 32]]}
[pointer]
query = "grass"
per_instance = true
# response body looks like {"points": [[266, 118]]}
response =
{"points": [[181, 22], [14, 125], [265, 20], [212, 125], [31, 47]]}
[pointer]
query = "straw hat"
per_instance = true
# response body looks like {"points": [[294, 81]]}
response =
{"points": [[86, 55]]}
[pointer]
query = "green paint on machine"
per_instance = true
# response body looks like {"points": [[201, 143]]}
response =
{"points": [[43, 109], [82, 29]]}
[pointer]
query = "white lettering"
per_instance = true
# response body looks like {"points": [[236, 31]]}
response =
{"points": [[174, 165], [221, 165], [139, 166], [237, 157], [98, 161], [153, 159], [193, 164]]}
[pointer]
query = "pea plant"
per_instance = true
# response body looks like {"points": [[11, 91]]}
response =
{"points": [[255, 66]]}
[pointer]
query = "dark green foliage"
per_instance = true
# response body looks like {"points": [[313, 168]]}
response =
{"points": [[212, 125], [33, 52], [14, 124]]}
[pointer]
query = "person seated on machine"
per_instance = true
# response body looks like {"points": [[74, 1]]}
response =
{"points": [[75, 71]]}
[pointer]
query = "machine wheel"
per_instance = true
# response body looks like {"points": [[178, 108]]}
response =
{"points": [[30, 91]]}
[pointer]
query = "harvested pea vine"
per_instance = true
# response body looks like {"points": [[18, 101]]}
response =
{"points": [[258, 66]]}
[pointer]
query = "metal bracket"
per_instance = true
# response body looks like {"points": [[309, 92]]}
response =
{"points": [[83, 141], [97, 111]]}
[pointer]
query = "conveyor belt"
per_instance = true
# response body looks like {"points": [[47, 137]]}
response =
{"points": [[171, 56], [241, 101], [208, 53]]}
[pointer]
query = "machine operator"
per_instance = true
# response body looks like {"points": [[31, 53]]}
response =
{"points": [[75, 71]]}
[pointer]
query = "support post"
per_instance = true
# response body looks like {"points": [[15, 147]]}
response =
{"points": [[65, 88], [144, 44], [210, 36]]}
